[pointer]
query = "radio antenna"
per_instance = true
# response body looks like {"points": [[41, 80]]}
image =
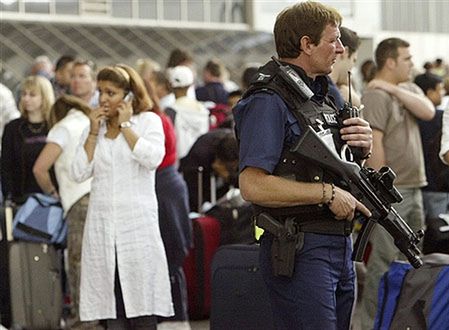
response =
{"points": [[349, 83]]}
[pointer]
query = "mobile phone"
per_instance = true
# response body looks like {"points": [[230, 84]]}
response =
{"points": [[128, 97]]}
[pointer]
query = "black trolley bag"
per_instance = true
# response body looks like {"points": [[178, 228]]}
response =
{"points": [[239, 296]]}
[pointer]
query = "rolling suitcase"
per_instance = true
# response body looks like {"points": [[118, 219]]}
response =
{"points": [[35, 284], [5, 301], [197, 265], [239, 296]]}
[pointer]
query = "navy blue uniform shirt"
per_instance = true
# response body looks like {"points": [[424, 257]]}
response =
{"points": [[264, 125]]}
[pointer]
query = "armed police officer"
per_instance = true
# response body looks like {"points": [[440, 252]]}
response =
{"points": [[305, 255]]}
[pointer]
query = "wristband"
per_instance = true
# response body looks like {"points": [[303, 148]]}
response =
{"points": [[330, 201], [323, 198]]}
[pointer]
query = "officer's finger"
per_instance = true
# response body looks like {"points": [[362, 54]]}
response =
{"points": [[355, 121], [350, 216], [362, 208]]}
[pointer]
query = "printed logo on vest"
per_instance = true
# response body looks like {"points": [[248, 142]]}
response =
{"points": [[330, 118], [262, 76]]}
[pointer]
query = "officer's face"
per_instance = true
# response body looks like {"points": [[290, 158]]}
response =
{"points": [[325, 54]]}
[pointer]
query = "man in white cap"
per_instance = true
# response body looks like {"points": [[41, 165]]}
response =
{"points": [[190, 117]]}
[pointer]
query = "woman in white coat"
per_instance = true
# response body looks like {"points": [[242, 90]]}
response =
{"points": [[124, 273]]}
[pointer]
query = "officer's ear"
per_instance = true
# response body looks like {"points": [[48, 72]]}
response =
{"points": [[306, 44]]}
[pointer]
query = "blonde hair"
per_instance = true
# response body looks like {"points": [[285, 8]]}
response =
{"points": [[42, 86], [144, 65]]}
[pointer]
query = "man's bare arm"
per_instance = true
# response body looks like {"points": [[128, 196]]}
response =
{"points": [[419, 105], [377, 159], [262, 188]]}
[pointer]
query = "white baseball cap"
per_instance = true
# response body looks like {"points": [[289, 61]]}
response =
{"points": [[180, 76]]}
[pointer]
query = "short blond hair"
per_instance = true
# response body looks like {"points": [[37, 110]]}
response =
{"points": [[42, 86]]}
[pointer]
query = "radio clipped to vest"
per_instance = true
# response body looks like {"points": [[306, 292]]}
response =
{"points": [[293, 80]]}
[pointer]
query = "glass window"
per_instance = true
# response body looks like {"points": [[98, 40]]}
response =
{"points": [[218, 10], [195, 10], [67, 7], [37, 7], [122, 8], [172, 10], [238, 11], [147, 9], [9, 5]]}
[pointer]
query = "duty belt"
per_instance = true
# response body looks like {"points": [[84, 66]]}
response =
{"points": [[318, 223]]}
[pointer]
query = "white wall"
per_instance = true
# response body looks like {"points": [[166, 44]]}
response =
{"points": [[423, 46], [364, 17], [361, 14]]}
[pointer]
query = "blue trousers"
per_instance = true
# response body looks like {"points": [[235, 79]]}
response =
{"points": [[320, 294]]}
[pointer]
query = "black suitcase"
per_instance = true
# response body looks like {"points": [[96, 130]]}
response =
{"points": [[239, 296]]}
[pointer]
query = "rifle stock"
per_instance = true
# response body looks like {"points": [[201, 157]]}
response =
{"points": [[371, 189]]}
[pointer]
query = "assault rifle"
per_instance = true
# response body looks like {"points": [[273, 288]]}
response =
{"points": [[374, 189]]}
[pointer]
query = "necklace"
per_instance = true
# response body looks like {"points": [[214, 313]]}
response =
{"points": [[36, 129]]}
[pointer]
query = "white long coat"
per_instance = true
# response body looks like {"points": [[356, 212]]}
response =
{"points": [[122, 224]]}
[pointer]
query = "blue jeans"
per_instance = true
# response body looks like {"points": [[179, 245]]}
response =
{"points": [[435, 203], [320, 294]]}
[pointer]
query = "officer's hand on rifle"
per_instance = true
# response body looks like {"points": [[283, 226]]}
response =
{"points": [[344, 205], [357, 133]]}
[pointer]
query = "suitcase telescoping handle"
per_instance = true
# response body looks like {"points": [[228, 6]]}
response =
{"points": [[213, 189], [8, 220], [200, 188]]}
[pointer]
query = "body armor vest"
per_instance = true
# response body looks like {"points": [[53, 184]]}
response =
{"points": [[311, 218]]}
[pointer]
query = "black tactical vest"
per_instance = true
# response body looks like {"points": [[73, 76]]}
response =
{"points": [[311, 218]]}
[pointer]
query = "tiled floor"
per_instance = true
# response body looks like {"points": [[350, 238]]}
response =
{"points": [[204, 324], [200, 325]]}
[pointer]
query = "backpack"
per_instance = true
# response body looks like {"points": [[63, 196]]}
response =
{"points": [[415, 298], [40, 220]]}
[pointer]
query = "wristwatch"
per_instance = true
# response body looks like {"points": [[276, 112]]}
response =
{"points": [[125, 124]]}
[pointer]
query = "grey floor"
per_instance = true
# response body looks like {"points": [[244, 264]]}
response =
{"points": [[204, 324]]}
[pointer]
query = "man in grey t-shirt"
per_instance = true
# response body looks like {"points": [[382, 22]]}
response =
{"points": [[392, 107]]}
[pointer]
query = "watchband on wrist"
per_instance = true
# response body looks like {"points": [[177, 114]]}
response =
{"points": [[125, 124]]}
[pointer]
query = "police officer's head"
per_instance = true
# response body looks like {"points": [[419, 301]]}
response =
{"points": [[308, 19]]}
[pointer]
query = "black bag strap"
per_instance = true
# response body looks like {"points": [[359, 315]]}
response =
{"points": [[33, 231], [44, 204]]}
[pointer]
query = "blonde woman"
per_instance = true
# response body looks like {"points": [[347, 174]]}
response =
{"points": [[24, 138], [124, 272]]}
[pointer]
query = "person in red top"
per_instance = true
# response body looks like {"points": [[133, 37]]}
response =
{"points": [[174, 222]]}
